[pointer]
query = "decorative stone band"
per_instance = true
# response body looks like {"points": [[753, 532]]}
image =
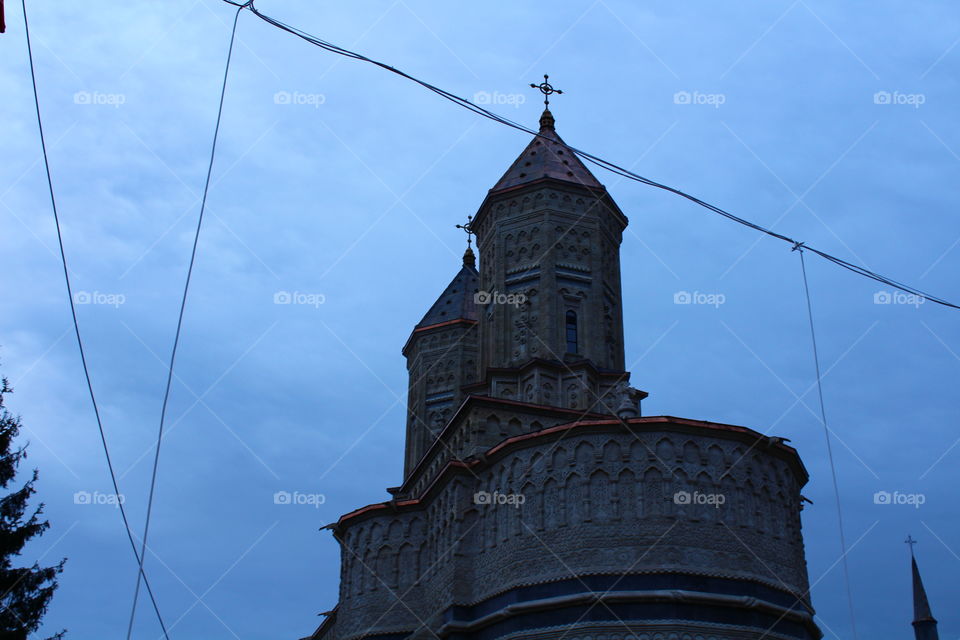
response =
{"points": [[689, 606], [440, 325], [638, 611], [452, 467], [647, 581]]}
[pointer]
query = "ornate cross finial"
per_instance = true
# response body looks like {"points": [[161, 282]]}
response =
{"points": [[910, 541], [469, 260], [546, 89], [468, 229]]}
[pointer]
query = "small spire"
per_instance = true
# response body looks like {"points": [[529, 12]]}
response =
{"points": [[547, 121], [469, 259], [924, 624]]}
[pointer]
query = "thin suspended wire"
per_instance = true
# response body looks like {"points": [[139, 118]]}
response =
{"points": [[826, 435], [76, 328], [589, 157], [176, 339]]}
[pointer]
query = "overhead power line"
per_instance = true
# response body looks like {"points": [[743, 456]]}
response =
{"points": [[183, 305], [826, 435], [589, 157], [76, 328]]}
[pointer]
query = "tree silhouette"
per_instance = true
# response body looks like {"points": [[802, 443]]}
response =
{"points": [[25, 592]]}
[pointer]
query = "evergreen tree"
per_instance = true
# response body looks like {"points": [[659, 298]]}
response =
{"points": [[25, 592]]}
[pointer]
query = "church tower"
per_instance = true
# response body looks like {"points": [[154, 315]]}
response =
{"points": [[441, 359], [536, 501], [550, 234]]}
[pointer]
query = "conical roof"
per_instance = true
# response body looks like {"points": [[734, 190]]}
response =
{"points": [[547, 156], [921, 606], [457, 300]]}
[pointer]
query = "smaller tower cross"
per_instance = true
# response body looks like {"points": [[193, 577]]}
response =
{"points": [[469, 259], [546, 89], [468, 229], [910, 541]]}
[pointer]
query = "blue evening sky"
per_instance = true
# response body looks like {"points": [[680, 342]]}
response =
{"points": [[834, 123]]}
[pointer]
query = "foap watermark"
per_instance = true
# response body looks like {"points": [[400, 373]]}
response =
{"points": [[297, 98], [495, 297], [714, 500], [485, 497], [96, 297], [898, 297], [697, 98], [99, 99], [698, 297], [298, 498], [299, 297], [898, 497], [897, 97], [97, 498], [498, 98]]}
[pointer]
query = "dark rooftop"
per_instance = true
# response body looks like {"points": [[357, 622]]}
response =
{"points": [[547, 156], [456, 302]]}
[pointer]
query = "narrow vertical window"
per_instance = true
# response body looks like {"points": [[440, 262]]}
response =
{"points": [[571, 332]]}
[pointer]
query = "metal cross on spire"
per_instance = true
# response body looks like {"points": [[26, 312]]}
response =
{"points": [[469, 259], [546, 89], [468, 229], [910, 541]]}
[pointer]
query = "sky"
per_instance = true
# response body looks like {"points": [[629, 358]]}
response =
{"points": [[340, 185]]}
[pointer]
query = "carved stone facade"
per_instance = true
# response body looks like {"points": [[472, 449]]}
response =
{"points": [[537, 502], [560, 248]]}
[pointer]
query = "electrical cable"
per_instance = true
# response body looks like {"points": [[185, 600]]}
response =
{"points": [[176, 339], [826, 435], [76, 328], [596, 160]]}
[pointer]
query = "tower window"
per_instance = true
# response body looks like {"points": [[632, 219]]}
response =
{"points": [[571, 332]]}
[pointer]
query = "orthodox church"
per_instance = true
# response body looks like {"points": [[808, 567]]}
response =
{"points": [[537, 501]]}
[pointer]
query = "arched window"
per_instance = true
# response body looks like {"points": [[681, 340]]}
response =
{"points": [[571, 332]]}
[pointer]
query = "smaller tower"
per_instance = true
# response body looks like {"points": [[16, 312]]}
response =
{"points": [[924, 624], [441, 358]]}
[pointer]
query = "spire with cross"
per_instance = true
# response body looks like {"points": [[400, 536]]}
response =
{"points": [[469, 259], [466, 227], [924, 624], [547, 90], [546, 119], [910, 541]]}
